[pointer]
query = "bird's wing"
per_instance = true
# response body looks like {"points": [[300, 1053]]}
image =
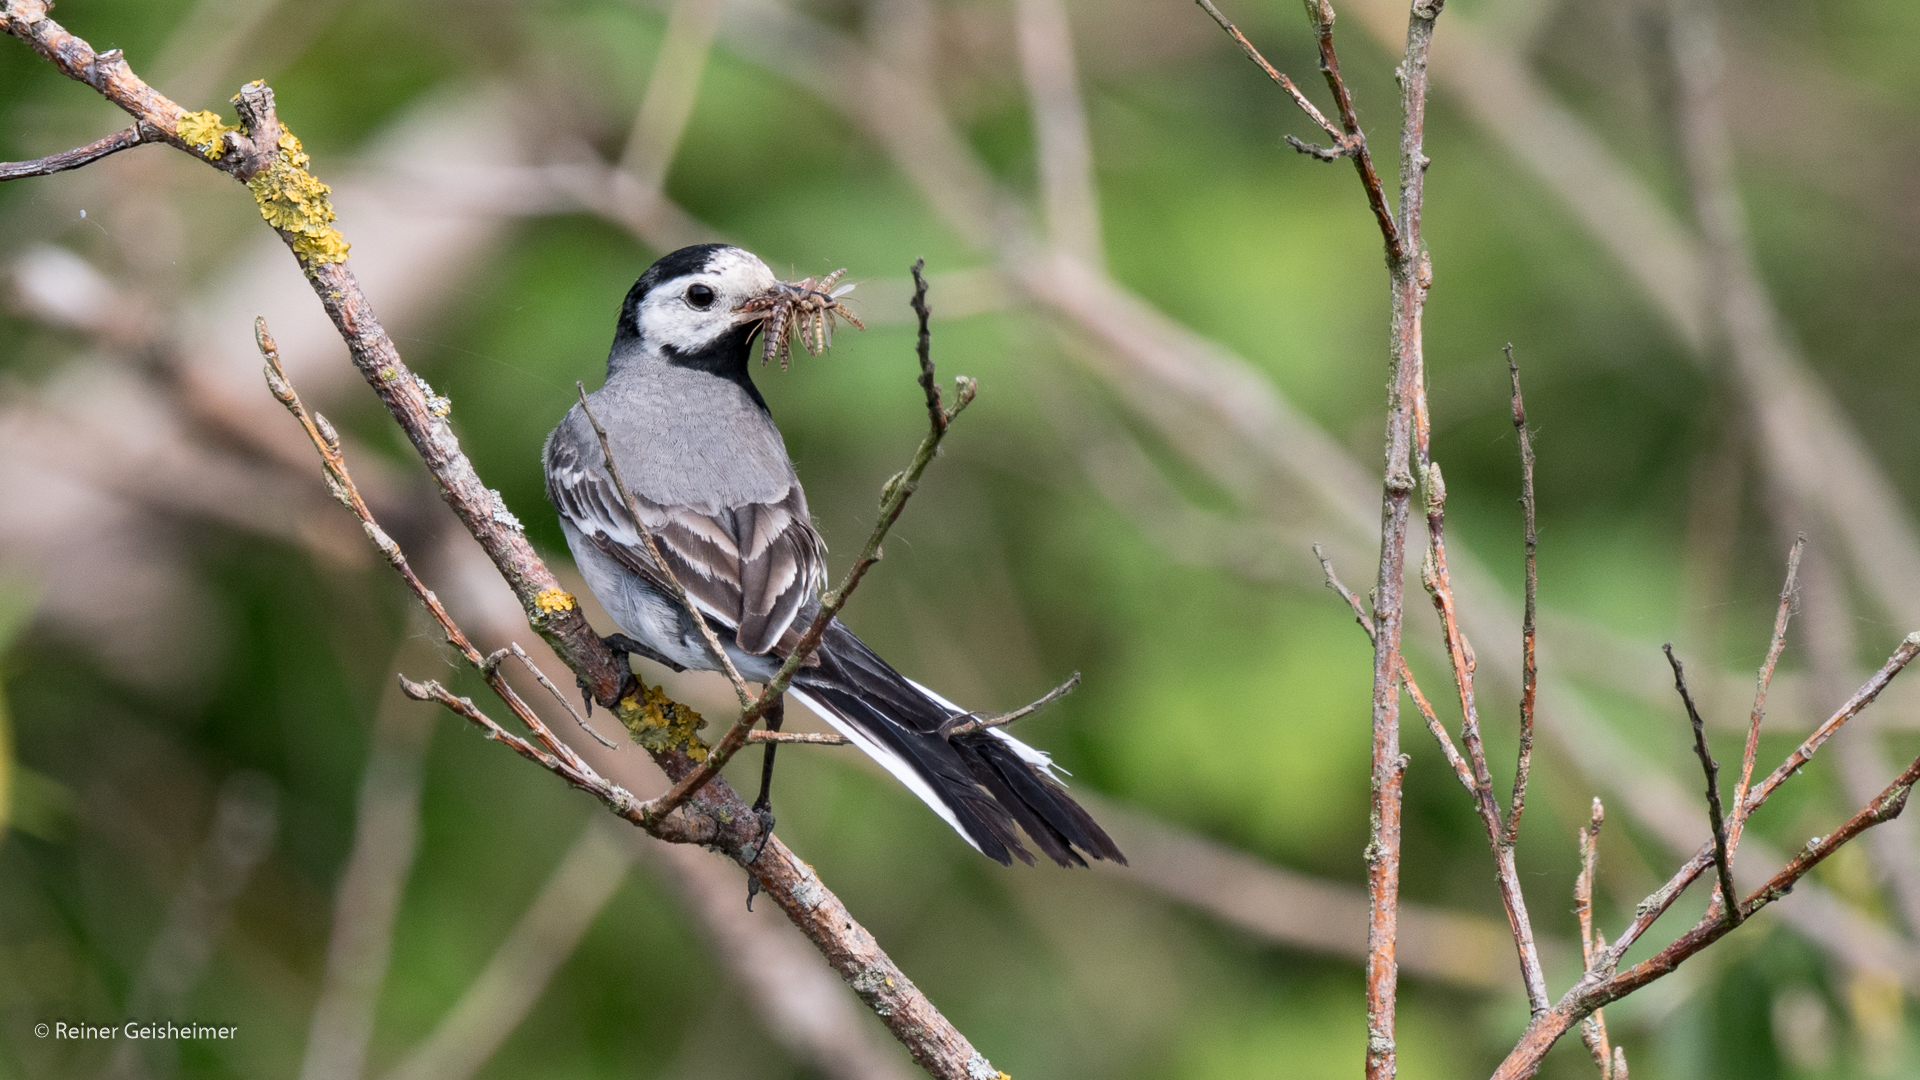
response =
{"points": [[751, 567]]}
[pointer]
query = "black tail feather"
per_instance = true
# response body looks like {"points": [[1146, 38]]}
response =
{"points": [[980, 778]]}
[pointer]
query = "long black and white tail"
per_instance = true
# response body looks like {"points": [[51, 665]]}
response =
{"points": [[983, 784]]}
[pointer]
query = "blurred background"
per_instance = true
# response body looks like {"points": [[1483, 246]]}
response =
{"points": [[1698, 233]]}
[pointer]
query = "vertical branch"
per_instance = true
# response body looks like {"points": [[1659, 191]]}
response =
{"points": [[1411, 273], [1593, 1030], [1721, 860], [1529, 665], [1477, 777], [1320, 14]]}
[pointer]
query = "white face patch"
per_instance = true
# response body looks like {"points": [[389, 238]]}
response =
{"points": [[672, 315]]}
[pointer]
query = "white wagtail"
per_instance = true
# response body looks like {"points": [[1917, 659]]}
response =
{"points": [[698, 450]]}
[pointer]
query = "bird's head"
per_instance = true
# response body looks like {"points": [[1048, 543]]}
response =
{"points": [[702, 305], [689, 302]]}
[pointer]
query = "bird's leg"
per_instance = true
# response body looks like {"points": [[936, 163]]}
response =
{"points": [[763, 806], [624, 646]]}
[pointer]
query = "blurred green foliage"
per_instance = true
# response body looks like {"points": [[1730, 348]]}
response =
{"points": [[1233, 706]]}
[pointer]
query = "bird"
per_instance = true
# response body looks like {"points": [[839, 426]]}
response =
{"points": [[696, 445]]}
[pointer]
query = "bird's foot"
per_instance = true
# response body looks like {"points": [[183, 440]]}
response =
{"points": [[763, 812]]}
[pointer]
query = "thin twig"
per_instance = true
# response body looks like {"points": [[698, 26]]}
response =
{"points": [[679, 591], [1529, 664], [960, 730], [1763, 682], [809, 738], [1454, 761], [1593, 1030], [1715, 818], [1902, 656], [1439, 583], [340, 481], [1306, 104], [1348, 140], [1320, 14], [724, 819], [1602, 987], [558, 696], [923, 348], [125, 139]]}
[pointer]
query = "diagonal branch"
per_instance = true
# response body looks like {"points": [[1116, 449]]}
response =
{"points": [[1500, 840], [291, 199], [125, 139], [1603, 986], [1764, 681], [1348, 139], [1722, 861]]}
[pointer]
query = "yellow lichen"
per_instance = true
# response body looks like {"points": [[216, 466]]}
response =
{"points": [[205, 132], [553, 600], [660, 723], [293, 201]]}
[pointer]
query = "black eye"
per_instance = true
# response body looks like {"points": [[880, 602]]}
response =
{"points": [[700, 296]]}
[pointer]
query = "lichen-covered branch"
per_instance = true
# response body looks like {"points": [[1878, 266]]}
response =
{"points": [[260, 152]]}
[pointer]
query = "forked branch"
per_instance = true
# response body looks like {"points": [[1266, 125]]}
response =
{"points": [[262, 153]]}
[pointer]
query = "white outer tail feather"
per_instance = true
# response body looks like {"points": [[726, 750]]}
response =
{"points": [[901, 769]]}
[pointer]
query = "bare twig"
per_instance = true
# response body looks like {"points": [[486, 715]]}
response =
{"points": [[1593, 1030], [1529, 664], [1715, 818], [1603, 986], [1411, 274], [1902, 656], [564, 701], [968, 727], [1454, 761], [1763, 682], [1406, 437], [1439, 585], [124, 139], [1348, 139]]}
